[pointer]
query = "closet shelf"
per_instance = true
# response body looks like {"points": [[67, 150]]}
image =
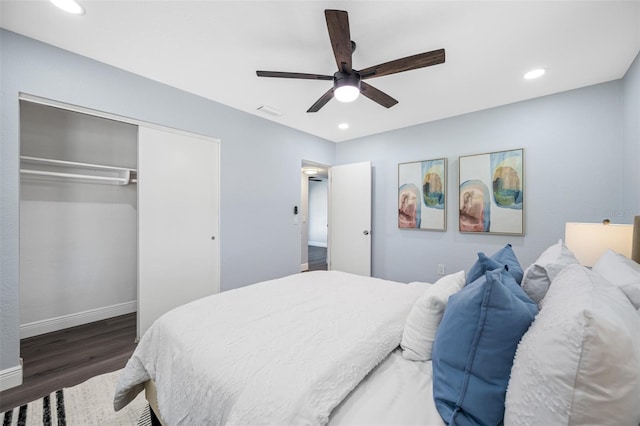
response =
{"points": [[50, 169]]}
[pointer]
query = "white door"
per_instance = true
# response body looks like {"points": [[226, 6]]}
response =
{"points": [[349, 236], [178, 207]]}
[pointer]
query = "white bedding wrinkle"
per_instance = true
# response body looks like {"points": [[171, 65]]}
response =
{"points": [[285, 351], [397, 392]]}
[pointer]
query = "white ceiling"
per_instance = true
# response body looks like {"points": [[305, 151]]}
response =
{"points": [[213, 48]]}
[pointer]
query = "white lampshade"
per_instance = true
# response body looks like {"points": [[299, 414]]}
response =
{"points": [[588, 241], [346, 93]]}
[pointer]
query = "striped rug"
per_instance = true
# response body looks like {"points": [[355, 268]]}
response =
{"points": [[87, 404]]}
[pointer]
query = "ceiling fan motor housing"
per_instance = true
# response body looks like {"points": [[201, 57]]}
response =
{"points": [[346, 79]]}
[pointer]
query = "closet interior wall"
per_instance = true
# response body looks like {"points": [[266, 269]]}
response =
{"points": [[78, 240]]}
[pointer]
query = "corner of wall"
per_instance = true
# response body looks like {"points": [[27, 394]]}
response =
{"points": [[11, 377], [631, 152]]}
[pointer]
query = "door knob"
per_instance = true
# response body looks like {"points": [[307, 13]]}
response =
{"points": [[365, 232]]}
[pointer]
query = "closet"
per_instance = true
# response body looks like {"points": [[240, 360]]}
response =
{"points": [[116, 216]]}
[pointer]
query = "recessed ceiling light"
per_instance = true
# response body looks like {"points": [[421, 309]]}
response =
{"points": [[310, 171], [534, 74], [343, 126], [70, 6]]}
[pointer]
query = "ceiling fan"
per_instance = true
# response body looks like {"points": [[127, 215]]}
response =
{"points": [[347, 82]]}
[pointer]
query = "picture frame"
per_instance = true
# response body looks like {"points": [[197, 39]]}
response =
{"points": [[422, 200], [491, 193]]}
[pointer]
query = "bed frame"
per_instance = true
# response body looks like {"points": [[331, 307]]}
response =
{"points": [[151, 394]]}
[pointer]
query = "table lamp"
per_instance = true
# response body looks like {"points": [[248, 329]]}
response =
{"points": [[588, 241]]}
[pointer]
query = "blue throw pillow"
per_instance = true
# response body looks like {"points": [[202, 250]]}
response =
{"points": [[504, 256], [482, 265], [474, 348]]}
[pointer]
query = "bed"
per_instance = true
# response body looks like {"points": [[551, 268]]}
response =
{"points": [[498, 343]]}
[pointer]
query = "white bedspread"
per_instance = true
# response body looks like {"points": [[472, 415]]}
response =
{"points": [[285, 351], [398, 392]]}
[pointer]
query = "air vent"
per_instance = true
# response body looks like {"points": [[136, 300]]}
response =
{"points": [[269, 110]]}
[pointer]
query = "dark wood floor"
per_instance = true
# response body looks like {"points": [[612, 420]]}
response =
{"points": [[317, 258], [67, 357]]}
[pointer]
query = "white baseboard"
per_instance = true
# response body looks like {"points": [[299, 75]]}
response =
{"points": [[316, 244], [54, 324], [11, 377], [304, 267]]}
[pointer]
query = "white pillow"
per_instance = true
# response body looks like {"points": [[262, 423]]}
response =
{"points": [[425, 316], [621, 272], [538, 276], [579, 362]]}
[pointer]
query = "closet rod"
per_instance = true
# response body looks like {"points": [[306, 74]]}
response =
{"points": [[121, 181], [72, 164]]}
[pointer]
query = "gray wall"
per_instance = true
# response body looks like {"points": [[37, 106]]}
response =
{"points": [[581, 164], [258, 238]]}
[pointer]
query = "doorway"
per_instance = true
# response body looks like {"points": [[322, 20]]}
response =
{"points": [[314, 226], [346, 229]]}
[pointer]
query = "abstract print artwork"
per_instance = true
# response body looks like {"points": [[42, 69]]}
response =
{"points": [[421, 195], [492, 192]]}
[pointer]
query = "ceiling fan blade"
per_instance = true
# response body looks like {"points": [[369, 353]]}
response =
{"points": [[279, 74], [420, 60], [322, 101], [377, 95], [338, 26]]}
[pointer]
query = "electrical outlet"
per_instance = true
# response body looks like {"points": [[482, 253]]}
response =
{"points": [[441, 269]]}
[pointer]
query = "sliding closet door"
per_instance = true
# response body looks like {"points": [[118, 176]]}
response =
{"points": [[178, 244]]}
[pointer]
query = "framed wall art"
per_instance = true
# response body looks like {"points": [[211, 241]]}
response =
{"points": [[491, 193], [422, 195]]}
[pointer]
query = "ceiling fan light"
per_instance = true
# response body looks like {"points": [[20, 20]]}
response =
{"points": [[346, 87], [346, 93], [69, 6]]}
